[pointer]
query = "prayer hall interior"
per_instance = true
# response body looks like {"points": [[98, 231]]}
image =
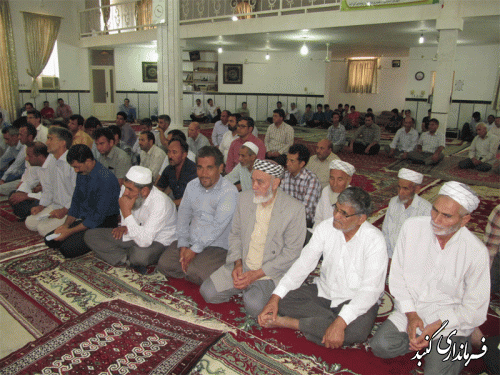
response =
{"points": [[163, 55]]}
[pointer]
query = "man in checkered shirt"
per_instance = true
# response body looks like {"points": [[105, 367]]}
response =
{"points": [[300, 182], [430, 146]]}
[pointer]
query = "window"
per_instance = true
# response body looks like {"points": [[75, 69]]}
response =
{"points": [[362, 75], [52, 67]]}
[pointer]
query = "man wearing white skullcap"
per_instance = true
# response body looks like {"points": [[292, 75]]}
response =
{"points": [[267, 235], [439, 274], [148, 224], [403, 206], [242, 173], [341, 173]]}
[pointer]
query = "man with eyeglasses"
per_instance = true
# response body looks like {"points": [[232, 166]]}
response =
{"points": [[340, 307], [244, 131]]}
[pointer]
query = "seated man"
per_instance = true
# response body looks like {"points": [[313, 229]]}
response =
{"points": [[196, 140], [353, 117], [128, 134], [300, 182], [425, 121], [370, 137], [204, 222], [279, 105], [394, 122], [129, 110], [404, 141], [307, 116], [117, 133], [220, 128], [243, 111], [180, 170], [439, 274], [94, 203], [341, 173], [35, 118], [336, 134], [245, 128], [13, 147], [328, 114], [63, 111], [430, 146], [229, 136], [151, 155], [213, 112], [110, 156], [403, 206], [146, 125], [199, 114], [162, 128], [279, 137], [175, 133], [292, 116], [318, 118], [241, 175], [341, 306], [469, 128], [75, 126], [482, 152], [266, 238], [319, 164], [148, 224], [28, 194], [495, 129], [57, 191], [47, 112]]}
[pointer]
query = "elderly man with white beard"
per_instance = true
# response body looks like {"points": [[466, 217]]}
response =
{"points": [[148, 224], [267, 234], [403, 206], [441, 285]]}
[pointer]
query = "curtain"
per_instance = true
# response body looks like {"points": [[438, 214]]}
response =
{"points": [[496, 95], [244, 7], [106, 12], [41, 34], [9, 94], [144, 13], [362, 76]]}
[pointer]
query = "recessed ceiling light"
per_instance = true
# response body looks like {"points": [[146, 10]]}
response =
{"points": [[304, 50], [421, 40], [219, 50], [305, 30], [234, 18]]}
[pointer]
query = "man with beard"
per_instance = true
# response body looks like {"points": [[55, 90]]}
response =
{"points": [[267, 234], [241, 175], [229, 136], [148, 224], [403, 206], [340, 307], [441, 285]]}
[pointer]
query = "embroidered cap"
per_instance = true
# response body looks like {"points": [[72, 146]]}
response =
{"points": [[460, 193], [140, 175], [269, 167], [408, 174], [252, 146], [343, 166]]}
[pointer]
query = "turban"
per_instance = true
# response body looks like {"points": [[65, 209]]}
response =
{"points": [[252, 146], [140, 175], [408, 174], [269, 167], [343, 166], [460, 193]]}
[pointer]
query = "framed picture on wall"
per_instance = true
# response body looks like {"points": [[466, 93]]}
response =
{"points": [[233, 73], [149, 71]]}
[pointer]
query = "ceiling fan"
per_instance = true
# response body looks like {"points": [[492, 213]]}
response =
{"points": [[254, 62], [327, 57]]}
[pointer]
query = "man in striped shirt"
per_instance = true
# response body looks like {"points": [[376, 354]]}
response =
{"points": [[279, 138]]}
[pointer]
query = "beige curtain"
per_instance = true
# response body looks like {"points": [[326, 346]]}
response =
{"points": [[41, 34], [9, 92], [362, 76], [106, 12], [144, 13], [496, 95]]}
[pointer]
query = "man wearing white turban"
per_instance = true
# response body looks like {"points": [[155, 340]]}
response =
{"points": [[403, 206], [440, 282]]}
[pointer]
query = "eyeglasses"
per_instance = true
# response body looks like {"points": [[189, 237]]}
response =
{"points": [[341, 212]]}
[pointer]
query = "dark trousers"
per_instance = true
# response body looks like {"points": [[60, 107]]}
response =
{"points": [[292, 121], [468, 164], [198, 119], [74, 245], [23, 209], [359, 148]]}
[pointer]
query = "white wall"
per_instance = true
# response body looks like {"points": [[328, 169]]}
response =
{"points": [[391, 86], [475, 66], [128, 68], [284, 73]]}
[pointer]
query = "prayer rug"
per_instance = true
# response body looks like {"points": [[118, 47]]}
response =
{"points": [[15, 235], [115, 337]]}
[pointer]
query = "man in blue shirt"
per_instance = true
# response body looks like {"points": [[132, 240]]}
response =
{"points": [[94, 203], [204, 221]]}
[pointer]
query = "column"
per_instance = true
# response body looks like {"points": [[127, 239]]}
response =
{"points": [[169, 65]]}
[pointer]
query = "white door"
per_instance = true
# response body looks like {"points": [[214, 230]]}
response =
{"points": [[103, 92]]}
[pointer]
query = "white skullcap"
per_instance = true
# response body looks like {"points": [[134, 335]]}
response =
{"points": [[140, 175], [269, 167], [252, 146], [343, 166], [408, 174], [460, 193]]}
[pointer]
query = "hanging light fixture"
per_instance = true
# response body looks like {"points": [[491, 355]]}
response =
{"points": [[267, 56], [421, 40], [304, 50]]}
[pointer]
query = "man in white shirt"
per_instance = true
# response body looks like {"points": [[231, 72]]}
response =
{"points": [[293, 115], [152, 156], [319, 164], [199, 114], [482, 152], [220, 128], [404, 141], [341, 173], [430, 146], [440, 281], [340, 307], [229, 136], [403, 206], [146, 125], [148, 220], [213, 112], [35, 119], [56, 198], [495, 129]]}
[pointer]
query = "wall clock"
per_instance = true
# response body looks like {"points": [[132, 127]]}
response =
{"points": [[419, 76]]}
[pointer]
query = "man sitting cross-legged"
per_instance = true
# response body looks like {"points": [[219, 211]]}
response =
{"points": [[204, 222], [430, 146], [110, 155], [94, 203], [341, 306], [149, 220], [266, 237]]}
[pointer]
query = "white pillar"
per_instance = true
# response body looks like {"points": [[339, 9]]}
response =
{"points": [[169, 65]]}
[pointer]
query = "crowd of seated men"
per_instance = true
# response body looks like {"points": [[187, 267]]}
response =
{"points": [[260, 228]]}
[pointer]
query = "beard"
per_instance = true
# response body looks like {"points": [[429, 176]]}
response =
{"points": [[444, 231], [139, 201], [232, 128], [263, 198]]}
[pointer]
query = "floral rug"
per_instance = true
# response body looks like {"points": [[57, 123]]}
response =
{"points": [[115, 338]]}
